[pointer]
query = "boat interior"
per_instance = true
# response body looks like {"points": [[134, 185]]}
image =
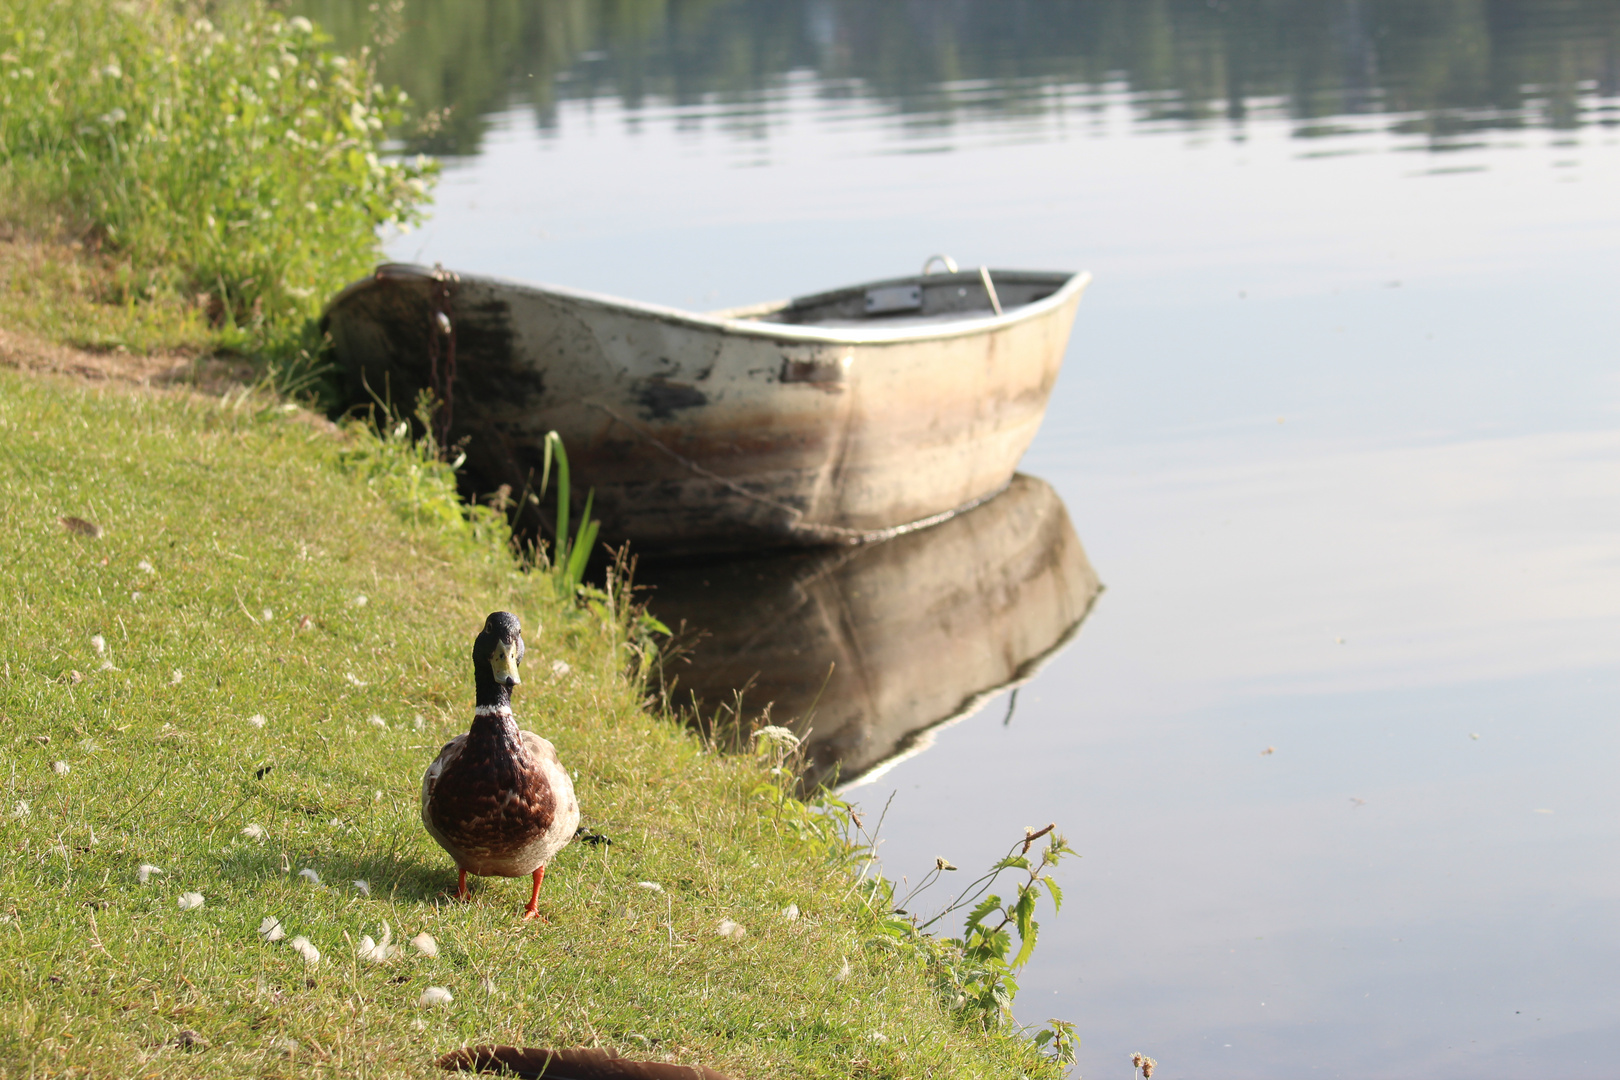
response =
{"points": [[924, 298]]}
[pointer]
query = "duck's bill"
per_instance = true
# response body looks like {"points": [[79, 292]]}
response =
{"points": [[504, 664]]}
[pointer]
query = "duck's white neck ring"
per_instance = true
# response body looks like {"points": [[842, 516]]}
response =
{"points": [[502, 711]]}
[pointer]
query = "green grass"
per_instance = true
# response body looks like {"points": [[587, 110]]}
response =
{"points": [[251, 517]]}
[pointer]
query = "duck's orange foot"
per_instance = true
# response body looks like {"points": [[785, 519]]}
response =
{"points": [[533, 910], [462, 892]]}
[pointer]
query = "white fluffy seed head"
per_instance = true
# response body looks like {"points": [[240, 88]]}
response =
{"points": [[376, 721], [145, 871], [425, 944], [791, 912], [310, 876], [731, 930], [360, 601], [145, 567], [60, 768], [98, 643], [253, 832], [191, 900], [650, 886], [270, 929], [268, 614], [175, 676], [257, 720], [305, 948], [436, 995], [21, 810], [560, 668], [362, 887]]}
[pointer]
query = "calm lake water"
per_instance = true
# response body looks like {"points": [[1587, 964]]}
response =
{"points": [[1337, 429]]}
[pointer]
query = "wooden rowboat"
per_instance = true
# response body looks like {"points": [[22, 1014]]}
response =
{"points": [[833, 418]]}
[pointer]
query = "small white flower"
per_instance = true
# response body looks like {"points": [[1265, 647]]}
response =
{"points": [[363, 888], [270, 929], [145, 567], [791, 912], [21, 810], [376, 951], [253, 831], [302, 946], [98, 643], [651, 886], [376, 721], [731, 930], [175, 676], [560, 668], [145, 871], [310, 876], [61, 768], [257, 720], [425, 944], [436, 995], [779, 737], [268, 614], [190, 900]]}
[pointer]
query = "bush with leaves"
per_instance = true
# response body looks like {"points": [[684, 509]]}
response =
{"points": [[238, 163]]}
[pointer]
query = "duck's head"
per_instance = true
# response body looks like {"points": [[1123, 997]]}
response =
{"points": [[498, 650]]}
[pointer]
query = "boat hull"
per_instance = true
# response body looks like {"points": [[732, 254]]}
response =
{"points": [[727, 432]]}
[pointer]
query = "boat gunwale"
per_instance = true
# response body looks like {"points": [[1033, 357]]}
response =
{"points": [[794, 333]]}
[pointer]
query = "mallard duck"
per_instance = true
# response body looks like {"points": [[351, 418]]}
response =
{"points": [[497, 799]]}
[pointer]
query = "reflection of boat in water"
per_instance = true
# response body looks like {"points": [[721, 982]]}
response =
{"points": [[832, 418], [918, 631]]}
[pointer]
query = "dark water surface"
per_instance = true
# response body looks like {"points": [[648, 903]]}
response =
{"points": [[1337, 428]]}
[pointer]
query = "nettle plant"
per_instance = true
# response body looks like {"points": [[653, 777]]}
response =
{"points": [[239, 163], [975, 973]]}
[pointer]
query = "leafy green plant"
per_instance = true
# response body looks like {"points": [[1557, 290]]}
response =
{"points": [[238, 165], [569, 558]]}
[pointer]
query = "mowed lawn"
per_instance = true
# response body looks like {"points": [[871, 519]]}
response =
{"points": [[243, 677]]}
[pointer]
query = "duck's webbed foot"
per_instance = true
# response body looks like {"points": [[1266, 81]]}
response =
{"points": [[533, 910]]}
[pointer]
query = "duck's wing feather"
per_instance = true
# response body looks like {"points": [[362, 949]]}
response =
{"points": [[430, 780], [565, 812]]}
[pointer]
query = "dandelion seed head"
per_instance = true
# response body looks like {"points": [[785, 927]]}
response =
{"points": [[425, 944], [731, 930], [190, 900], [98, 643], [145, 871], [253, 831], [61, 768], [310, 876], [270, 929], [436, 995]]}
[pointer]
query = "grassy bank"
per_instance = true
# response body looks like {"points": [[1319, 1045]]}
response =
{"points": [[272, 631]]}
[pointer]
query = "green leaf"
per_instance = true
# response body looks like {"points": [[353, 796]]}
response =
{"points": [[1057, 893]]}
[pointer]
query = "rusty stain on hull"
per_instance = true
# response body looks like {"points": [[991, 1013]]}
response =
{"points": [[805, 422]]}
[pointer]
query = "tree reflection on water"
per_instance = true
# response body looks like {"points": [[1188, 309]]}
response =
{"points": [[1444, 68]]}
